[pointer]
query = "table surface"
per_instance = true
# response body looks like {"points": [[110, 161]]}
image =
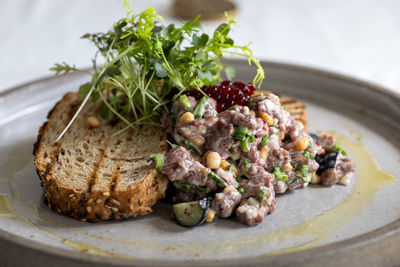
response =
{"points": [[360, 38]]}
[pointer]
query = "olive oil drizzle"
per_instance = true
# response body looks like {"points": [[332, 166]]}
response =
{"points": [[7, 210], [370, 179]]}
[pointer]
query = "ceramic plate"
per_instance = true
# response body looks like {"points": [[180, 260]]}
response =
{"points": [[310, 226]]}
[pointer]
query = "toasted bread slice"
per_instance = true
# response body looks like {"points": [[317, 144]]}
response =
{"points": [[92, 175]]}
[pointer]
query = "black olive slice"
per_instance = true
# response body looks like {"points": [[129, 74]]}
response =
{"points": [[330, 160], [313, 136]]}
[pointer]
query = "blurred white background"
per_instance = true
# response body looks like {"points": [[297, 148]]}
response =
{"points": [[360, 38]]}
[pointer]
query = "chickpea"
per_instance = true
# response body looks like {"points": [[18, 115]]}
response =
{"points": [[93, 122], [224, 164], [228, 188], [301, 144], [288, 167], [213, 160], [204, 170], [345, 180], [186, 117], [204, 157], [235, 156], [264, 152], [268, 119], [315, 179], [210, 215], [198, 140]]}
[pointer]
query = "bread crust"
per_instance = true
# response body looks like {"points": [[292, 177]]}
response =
{"points": [[90, 205], [96, 206]]}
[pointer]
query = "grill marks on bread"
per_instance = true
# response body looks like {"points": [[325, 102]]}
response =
{"points": [[90, 174], [56, 147], [54, 159], [96, 167], [114, 180]]}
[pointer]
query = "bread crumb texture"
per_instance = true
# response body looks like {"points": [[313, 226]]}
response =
{"points": [[91, 175]]}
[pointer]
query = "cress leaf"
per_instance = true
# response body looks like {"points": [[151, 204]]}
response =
{"points": [[63, 68], [229, 72], [140, 50], [105, 113], [205, 75], [84, 90], [160, 72], [203, 40]]}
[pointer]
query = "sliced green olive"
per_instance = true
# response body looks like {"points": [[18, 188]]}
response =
{"points": [[190, 214]]}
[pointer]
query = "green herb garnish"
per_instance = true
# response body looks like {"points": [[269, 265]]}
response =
{"points": [[308, 155], [292, 181], [190, 144], [220, 182], [241, 133], [244, 145], [275, 129], [279, 173], [232, 168], [199, 110], [337, 148], [144, 60], [303, 173], [158, 160], [245, 136], [184, 101], [188, 187], [262, 194], [247, 165], [264, 140]]}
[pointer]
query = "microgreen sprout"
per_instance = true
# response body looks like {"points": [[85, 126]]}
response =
{"points": [[146, 60]]}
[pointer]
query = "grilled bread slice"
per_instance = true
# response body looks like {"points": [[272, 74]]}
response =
{"points": [[92, 175]]}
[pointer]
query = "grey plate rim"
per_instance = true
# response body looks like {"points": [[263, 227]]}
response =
{"points": [[370, 245]]}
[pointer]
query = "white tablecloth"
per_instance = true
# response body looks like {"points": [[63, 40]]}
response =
{"points": [[354, 37]]}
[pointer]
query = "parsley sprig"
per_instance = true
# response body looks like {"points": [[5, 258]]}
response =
{"points": [[145, 60]]}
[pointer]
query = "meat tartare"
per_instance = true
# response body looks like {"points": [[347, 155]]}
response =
{"points": [[240, 157]]}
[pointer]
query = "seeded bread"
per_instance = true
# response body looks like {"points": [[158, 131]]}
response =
{"points": [[92, 175]]}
